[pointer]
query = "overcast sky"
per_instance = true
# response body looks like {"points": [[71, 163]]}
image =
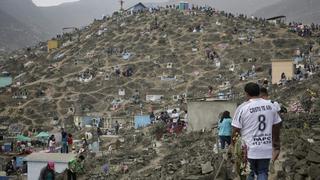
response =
{"points": [[50, 2], [57, 2]]}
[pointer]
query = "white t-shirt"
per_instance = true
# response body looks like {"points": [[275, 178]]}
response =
{"points": [[175, 117], [51, 143], [255, 118]]}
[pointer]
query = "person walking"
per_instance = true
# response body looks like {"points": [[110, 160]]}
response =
{"points": [[258, 124], [116, 127], [225, 129], [64, 141], [70, 142], [48, 172], [75, 167]]}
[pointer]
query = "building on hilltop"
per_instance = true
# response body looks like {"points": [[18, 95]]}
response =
{"points": [[184, 5], [282, 66], [277, 19], [53, 44], [137, 8]]}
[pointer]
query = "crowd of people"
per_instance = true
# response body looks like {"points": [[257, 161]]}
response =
{"points": [[66, 143], [304, 30], [174, 121]]}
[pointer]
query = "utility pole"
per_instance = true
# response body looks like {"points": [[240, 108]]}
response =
{"points": [[121, 5]]}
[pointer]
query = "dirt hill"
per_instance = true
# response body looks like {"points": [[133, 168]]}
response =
{"points": [[163, 53], [153, 41]]}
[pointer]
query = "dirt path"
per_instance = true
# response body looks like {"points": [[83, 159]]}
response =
{"points": [[161, 152]]}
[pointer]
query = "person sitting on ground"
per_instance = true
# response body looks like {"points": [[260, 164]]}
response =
{"points": [[75, 167], [265, 82], [283, 76], [225, 129], [48, 172]]}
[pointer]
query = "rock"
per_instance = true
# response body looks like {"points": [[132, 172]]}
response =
{"points": [[192, 177], [314, 170], [157, 168], [300, 154], [281, 175], [194, 169], [206, 168], [301, 164], [183, 162], [298, 177], [313, 157], [302, 171], [316, 149]]}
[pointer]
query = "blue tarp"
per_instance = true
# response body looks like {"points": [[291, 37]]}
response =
{"points": [[298, 59], [19, 161], [141, 121], [4, 178], [5, 81]]}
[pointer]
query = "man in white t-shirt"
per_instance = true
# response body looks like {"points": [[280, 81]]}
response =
{"points": [[175, 116], [258, 123]]}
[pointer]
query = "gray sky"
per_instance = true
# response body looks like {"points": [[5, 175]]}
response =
{"points": [[57, 2], [50, 2]]}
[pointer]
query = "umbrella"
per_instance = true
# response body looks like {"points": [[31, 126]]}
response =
{"points": [[23, 138], [43, 135]]}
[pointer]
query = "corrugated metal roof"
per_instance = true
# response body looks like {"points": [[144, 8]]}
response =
{"points": [[46, 157], [276, 17]]}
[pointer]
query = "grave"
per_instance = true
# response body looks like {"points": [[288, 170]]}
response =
{"points": [[121, 92], [154, 98]]}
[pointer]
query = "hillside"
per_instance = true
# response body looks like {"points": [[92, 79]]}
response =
{"points": [[21, 24], [171, 41], [119, 60], [299, 11], [46, 22], [43, 23], [11, 27]]}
